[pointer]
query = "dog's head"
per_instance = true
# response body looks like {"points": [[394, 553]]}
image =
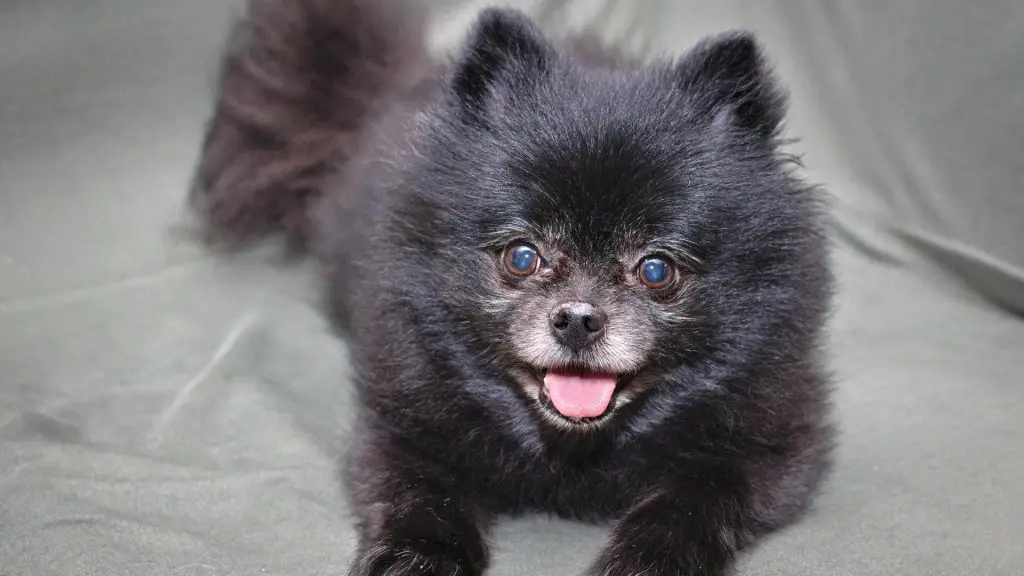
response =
{"points": [[599, 227]]}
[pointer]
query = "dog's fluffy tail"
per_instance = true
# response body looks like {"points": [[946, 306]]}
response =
{"points": [[298, 81]]}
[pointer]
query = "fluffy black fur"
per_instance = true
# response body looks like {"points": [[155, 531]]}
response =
{"points": [[417, 177]]}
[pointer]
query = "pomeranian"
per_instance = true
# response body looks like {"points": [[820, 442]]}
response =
{"points": [[571, 282]]}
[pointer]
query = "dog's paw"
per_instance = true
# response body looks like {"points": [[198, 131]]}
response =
{"points": [[633, 565], [420, 558], [657, 553]]}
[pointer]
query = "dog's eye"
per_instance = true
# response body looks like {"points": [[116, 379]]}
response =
{"points": [[521, 260], [655, 273]]}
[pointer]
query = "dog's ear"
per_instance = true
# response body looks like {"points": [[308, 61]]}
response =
{"points": [[505, 48], [729, 80]]}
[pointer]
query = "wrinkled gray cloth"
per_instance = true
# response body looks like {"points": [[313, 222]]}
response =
{"points": [[163, 412]]}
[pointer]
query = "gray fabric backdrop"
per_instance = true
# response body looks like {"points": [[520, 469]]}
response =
{"points": [[162, 412]]}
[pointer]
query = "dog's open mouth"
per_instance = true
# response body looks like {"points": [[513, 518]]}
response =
{"points": [[578, 395]]}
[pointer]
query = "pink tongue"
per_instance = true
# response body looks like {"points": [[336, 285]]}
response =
{"points": [[579, 395]]}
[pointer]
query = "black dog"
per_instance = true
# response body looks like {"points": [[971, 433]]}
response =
{"points": [[570, 283]]}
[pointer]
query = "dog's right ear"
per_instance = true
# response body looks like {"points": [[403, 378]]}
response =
{"points": [[728, 77], [504, 48]]}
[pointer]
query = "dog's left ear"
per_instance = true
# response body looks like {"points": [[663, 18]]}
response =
{"points": [[505, 49], [730, 81]]}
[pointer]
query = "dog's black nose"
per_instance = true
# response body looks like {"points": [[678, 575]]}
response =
{"points": [[578, 324]]}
